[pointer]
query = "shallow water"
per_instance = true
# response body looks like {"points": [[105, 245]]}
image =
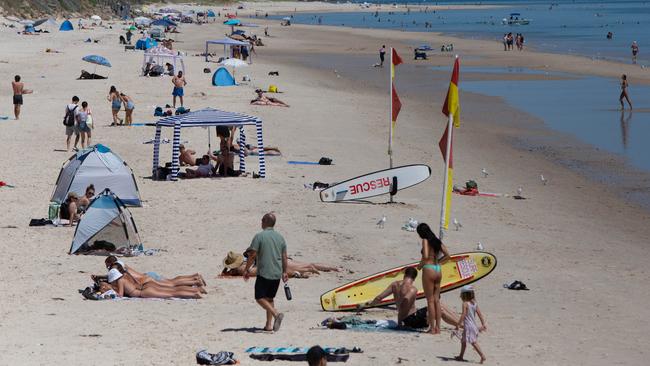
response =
{"points": [[568, 27]]}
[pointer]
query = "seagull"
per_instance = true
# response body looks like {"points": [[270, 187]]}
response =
{"points": [[479, 246], [412, 222], [519, 190], [544, 180], [457, 224], [337, 73], [485, 173], [380, 223]]}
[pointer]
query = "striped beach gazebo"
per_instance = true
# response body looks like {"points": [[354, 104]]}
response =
{"points": [[206, 118]]}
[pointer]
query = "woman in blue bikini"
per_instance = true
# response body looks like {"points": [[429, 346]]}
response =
{"points": [[116, 104], [128, 107], [433, 254]]}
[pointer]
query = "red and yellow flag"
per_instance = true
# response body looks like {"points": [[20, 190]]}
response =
{"points": [[452, 103], [396, 103]]}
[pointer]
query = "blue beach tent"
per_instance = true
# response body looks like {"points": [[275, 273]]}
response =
{"points": [[66, 26], [222, 77], [211, 14], [145, 44], [164, 23]]}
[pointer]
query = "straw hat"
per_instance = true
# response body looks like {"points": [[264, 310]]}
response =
{"points": [[233, 260]]}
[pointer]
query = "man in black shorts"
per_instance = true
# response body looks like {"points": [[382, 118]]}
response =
{"points": [[405, 294], [269, 249]]}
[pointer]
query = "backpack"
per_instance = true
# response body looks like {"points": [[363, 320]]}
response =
{"points": [[471, 184], [68, 120]]}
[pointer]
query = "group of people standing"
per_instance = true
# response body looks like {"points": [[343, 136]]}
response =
{"points": [[509, 41], [118, 99], [78, 122]]}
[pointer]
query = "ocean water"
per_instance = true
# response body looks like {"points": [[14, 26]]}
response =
{"points": [[575, 27]]}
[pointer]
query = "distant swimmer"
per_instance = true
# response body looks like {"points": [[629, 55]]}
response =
{"points": [[624, 93], [635, 51]]}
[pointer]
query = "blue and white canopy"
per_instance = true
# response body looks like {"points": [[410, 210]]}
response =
{"points": [[206, 118]]}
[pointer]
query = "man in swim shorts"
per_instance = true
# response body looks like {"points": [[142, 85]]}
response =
{"points": [[405, 294], [19, 90], [269, 249], [179, 82]]}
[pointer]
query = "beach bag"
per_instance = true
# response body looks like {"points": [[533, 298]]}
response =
{"points": [[53, 210], [89, 121], [68, 120], [158, 112], [273, 89], [471, 185]]}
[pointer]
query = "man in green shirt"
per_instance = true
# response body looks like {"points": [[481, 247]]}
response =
{"points": [[269, 249]]}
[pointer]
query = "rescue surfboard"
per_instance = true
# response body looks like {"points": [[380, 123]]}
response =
{"points": [[461, 269], [376, 183]]}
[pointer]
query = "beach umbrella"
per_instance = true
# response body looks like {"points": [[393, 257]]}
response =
{"points": [[96, 17], [232, 22], [97, 60], [234, 63]]}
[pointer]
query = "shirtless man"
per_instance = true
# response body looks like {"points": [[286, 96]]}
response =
{"points": [[187, 156], [19, 89], [405, 294], [179, 82]]}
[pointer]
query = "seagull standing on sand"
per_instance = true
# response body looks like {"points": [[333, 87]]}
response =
{"points": [[485, 173], [519, 190], [457, 224], [479, 246], [381, 222], [544, 180]]}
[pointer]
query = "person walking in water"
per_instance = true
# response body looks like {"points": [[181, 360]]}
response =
{"points": [[635, 51], [624, 93]]}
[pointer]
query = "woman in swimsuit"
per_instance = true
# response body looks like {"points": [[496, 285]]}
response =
{"points": [[125, 285], [431, 273], [150, 277], [624, 94], [128, 107], [116, 104], [84, 201]]}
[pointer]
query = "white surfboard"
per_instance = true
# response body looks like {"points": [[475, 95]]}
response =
{"points": [[377, 183]]}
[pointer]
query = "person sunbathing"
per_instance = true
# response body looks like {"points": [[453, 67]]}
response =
{"points": [[125, 285], [254, 150], [264, 100], [152, 277], [187, 156], [85, 75], [235, 265], [204, 169]]}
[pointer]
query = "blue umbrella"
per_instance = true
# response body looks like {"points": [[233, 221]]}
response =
{"points": [[232, 22], [97, 60]]}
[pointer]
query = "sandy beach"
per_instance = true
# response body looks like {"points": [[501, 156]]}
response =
{"points": [[576, 243]]}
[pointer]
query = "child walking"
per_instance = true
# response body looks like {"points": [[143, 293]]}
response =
{"points": [[467, 318]]}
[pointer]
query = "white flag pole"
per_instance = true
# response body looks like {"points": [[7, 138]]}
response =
{"points": [[443, 206]]}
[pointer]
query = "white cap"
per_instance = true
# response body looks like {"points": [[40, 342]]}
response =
{"points": [[464, 289], [114, 275]]}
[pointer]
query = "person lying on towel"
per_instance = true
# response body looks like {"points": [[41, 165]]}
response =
{"points": [[125, 285], [264, 100], [235, 264], [85, 75], [195, 279], [187, 156], [204, 169]]}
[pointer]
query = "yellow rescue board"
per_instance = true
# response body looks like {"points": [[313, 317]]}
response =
{"points": [[461, 269]]}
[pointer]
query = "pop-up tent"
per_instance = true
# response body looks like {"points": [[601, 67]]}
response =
{"points": [[206, 118], [222, 77], [99, 166], [66, 26], [107, 226], [145, 43], [161, 55], [211, 14]]}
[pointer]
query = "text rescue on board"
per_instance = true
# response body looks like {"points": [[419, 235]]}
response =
{"points": [[370, 185]]}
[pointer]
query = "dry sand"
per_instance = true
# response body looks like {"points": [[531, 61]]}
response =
{"points": [[580, 249]]}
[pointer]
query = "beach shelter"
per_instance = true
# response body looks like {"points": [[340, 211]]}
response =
{"points": [[206, 118], [211, 14], [100, 166], [145, 43], [106, 225], [222, 77], [66, 26], [161, 55], [164, 23], [227, 43]]}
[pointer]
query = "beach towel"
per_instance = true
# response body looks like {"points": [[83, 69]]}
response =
{"points": [[334, 354], [4, 184], [354, 322]]}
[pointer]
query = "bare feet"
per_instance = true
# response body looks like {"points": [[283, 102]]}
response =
{"points": [[483, 359], [459, 358]]}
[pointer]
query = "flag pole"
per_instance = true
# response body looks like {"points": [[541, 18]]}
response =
{"points": [[443, 206], [390, 116]]}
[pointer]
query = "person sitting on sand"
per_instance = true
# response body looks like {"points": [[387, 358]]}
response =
{"points": [[204, 169], [187, 156], [125, 285], [68, 209], [264, 100], [84, 201], [143, 278], [225, 159], [405, 294], [235, 265]]}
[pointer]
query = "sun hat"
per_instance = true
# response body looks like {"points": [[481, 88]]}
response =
{"points": [[467, 288], [114, 275], [233, 260]]}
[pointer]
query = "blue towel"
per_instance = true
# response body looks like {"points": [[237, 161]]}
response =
{"points": [[302, 162]]}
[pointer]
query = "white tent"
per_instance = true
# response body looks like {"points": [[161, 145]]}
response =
{"points": [[107, 226], [99, 166], [161, 55]]}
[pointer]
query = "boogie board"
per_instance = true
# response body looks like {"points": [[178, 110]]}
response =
{"points": [[377, 183], [461, 269]]}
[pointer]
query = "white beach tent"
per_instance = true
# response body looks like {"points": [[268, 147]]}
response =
{"points": [[107, 225], [100, 166], [161, 55]]}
